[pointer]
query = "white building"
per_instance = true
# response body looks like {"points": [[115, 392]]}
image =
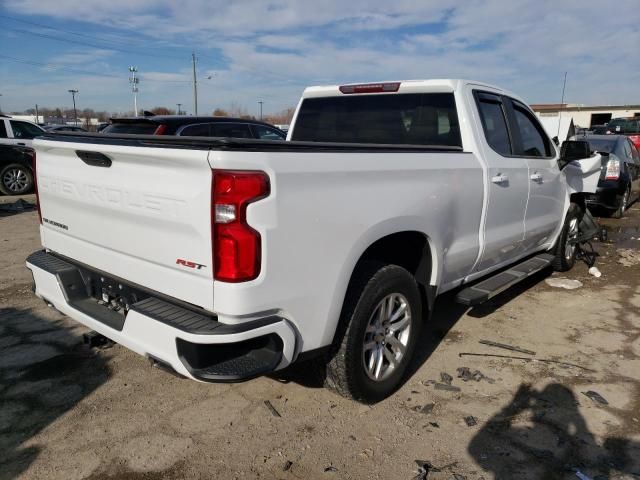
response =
{"points": [[584, 115]]}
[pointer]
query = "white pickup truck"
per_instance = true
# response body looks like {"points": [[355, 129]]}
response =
{"points": [[224, 259]]}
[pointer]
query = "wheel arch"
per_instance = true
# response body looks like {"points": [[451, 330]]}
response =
{"points": [[420, 258]]}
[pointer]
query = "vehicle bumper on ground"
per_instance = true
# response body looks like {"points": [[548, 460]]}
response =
{"points": [[189, 340]]}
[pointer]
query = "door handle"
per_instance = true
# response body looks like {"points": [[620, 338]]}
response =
{"points": [[500, 178], [536, 177], [23, 144]]}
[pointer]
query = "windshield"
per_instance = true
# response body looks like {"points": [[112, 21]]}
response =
{"points": [[139, 128], [602, 145]]}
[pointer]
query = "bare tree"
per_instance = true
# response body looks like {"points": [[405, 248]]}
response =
{"points": [[163, 111]]}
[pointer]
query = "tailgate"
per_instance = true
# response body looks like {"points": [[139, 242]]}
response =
{"points": [[137, 212]]}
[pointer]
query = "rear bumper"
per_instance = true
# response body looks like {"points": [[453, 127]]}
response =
{"points": [[188, 339], [606, 197]]}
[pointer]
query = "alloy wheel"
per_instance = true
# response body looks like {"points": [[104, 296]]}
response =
{"points": [[386, 337], [15, 180], [572, 234]]}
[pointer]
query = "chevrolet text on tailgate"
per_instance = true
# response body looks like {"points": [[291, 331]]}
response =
{"points": [[224, 259]]}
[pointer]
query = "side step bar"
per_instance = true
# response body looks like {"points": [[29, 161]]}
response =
{"points": [[492, 286]]}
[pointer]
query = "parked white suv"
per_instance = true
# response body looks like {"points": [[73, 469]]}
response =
{"points": [[224, 259], [18, 132]]}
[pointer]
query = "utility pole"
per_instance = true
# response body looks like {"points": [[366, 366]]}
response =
{"points": [[0, 107], [195, 84], [134, 81], [37, 116], [564, 84], [260, 102], [75, 112], [179, 105]]}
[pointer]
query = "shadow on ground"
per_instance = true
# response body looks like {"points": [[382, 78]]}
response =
{"points": [[14, 208], [44, 372], [446, 313], [542, 435]]}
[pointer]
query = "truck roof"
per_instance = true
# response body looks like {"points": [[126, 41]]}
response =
{"points": [[405, 86]]}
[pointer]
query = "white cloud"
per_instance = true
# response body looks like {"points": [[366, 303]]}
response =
{"points": [[272, 49]]}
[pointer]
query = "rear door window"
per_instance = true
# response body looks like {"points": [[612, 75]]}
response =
{"points": [[139, 128], [626, 148], [233, 130], [199, 130], [494, 123], [3, 129], [265, 133], [427, 119]]}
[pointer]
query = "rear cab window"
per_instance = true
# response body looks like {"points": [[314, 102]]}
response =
{"points": [[3, 129], [428, 119]]}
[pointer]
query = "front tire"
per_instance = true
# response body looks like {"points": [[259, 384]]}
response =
{"points": [[564, 250], [16, 179], [380, 320]]}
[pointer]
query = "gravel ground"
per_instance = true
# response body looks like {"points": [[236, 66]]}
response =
{"points": [[67, 412]]}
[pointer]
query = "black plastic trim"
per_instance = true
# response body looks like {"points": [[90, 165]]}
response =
{"points": [[79, 285], [497, 283], [193, 322], [94, 159], [231, 362], [241, 144]]}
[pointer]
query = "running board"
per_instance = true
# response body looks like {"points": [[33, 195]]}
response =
{"points": [[492, 286]]}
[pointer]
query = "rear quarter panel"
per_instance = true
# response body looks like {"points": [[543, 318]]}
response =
{"points": [[325, 209]]}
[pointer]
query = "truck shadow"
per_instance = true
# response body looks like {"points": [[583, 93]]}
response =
{"points": [[541, 434], [446, 313], [44, 373]]}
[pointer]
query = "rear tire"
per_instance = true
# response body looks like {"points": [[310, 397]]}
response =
{"points": [[379, 326], [624, 202], [16, 179], [563, 251]]}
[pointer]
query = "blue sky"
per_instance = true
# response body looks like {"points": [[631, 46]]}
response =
{"points": [[269, 50]]}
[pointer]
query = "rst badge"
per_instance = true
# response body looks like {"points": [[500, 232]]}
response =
{"points": [[190, 264]]}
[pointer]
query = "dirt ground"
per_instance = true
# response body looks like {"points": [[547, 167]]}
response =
{"points": [[67, 412]]}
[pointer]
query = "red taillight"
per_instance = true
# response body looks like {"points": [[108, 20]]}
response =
{"points": [[35, 183], [371, 88], [236, 246], [161, 130]]}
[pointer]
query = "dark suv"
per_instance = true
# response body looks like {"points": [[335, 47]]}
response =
{"points": [[187, 126]]}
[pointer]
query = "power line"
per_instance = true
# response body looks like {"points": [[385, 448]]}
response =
{"points": [[69, 32], [94, 45], [57, 67], [51, 66]]}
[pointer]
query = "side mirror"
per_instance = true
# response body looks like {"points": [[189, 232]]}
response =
{"points": [[573, 150], [556, 141]]}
